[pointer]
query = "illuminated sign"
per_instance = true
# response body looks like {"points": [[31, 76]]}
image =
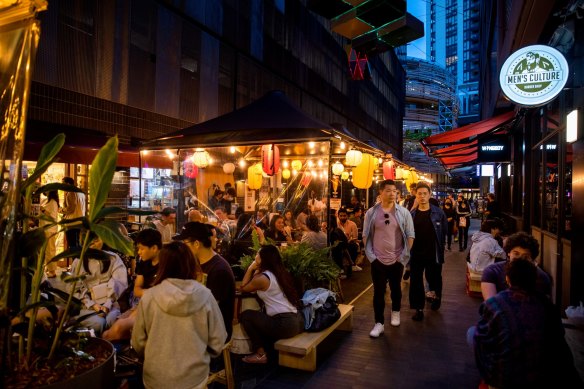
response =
{"points": [[534, 75], [495, 148]]}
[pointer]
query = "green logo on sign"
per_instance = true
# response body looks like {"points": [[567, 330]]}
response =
{"points": [[533, 74]]}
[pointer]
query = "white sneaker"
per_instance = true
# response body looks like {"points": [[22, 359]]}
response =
{"points": [[395, 318], [357, 268], [377, 330]]}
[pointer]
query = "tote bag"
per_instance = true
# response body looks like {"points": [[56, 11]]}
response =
{"points": [[462, 221]]}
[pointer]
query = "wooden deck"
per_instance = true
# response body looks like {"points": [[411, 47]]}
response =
{"points": [[428, 354]]}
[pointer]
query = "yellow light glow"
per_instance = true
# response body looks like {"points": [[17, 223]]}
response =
{"points": [[241, 163], [343, 145], [311, 145], [232, 149], [310, 163], [319, 163], [285, 164], [294, 172]]}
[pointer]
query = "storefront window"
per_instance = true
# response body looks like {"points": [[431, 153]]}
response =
{"points": [[548, 188]]}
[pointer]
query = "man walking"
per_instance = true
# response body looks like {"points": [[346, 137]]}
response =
{"points": [[388, 235], [431, 225], [73, 208]]}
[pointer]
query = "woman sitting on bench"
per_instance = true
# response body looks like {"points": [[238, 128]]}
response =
{"points": [[273, 284]]}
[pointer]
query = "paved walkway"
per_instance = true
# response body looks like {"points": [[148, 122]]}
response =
{"points": [[428, 354]]}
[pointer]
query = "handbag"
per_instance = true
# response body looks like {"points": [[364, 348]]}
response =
{"points": [[325, 316], [99, 293], [462, 221]]}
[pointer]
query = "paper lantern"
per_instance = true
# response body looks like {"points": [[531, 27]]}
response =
{"points": [[201, 158], [353, 157], [286, 174], [414, 174], [345, 175], [270, 159], [306, 178], [189, 169], [363, 173], [388, 170], [228, 168], [254, 176], [399, 173], [296, 165], [338, 168]]}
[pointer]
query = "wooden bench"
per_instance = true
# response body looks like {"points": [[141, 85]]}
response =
{"points": [[299, 352], [473, 283]]}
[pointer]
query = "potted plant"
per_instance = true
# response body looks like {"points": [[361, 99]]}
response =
{"points": [[310, 268], [44, 354]]}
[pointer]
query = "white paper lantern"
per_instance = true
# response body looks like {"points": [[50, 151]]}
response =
{"points": [[353, 157], [201, 158], [338, 168], [228, 168]]}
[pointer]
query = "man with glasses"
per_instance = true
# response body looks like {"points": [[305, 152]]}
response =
{"points": [[431, 225], [201, 239], [388, 235]]}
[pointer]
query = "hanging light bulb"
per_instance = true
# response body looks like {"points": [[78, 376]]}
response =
{"points": [[241, 163], [319, 163], [343, 145], [285, 164], [297, 164], [311, 145], [232, 149]]}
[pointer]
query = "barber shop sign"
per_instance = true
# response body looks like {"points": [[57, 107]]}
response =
{"points": [[534, 75]]}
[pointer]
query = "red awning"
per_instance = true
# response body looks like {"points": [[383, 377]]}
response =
{"points": [[467, 133], [462, 143]]}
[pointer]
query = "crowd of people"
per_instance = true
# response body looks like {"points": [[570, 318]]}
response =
{"points": [[183, 283]]}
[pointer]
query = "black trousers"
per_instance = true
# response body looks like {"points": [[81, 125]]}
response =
{"points": [[263, 330], [433, 270], [72, 236], [381, 274], [450, 233], [462, 236]]}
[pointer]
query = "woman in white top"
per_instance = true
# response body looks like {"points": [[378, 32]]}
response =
{"points": [[50, 211], [274, 285]]}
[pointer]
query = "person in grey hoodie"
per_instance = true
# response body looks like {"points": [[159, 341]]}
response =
{"points": [[179, 325], [485, 249]]}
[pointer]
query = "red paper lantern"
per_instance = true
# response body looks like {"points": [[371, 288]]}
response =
{"points": [[388, 170], [189, 168], [270, 159]]}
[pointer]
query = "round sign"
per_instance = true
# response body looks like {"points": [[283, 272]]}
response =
{"points": [[534, 75]]}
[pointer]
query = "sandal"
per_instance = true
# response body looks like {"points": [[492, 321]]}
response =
{"points": [[255, 358]]}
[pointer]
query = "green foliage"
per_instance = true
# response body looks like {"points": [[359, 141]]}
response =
{"points": [[31, 245], [101, 175], [313, 267]]}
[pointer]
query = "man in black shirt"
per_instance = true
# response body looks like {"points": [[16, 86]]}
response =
{"points": [[427, 255], [493, 210], [148, 245], [201, 238]]}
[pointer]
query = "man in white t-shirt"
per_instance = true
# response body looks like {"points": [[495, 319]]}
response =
{"points": [[166, 224]]}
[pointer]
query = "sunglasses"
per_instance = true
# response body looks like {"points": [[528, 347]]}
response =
{"points": [[386, 216]]}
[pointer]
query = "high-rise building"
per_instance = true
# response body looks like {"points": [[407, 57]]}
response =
{"points": [[453, 42]]}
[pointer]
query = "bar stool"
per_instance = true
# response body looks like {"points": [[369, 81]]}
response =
{"points": [[225, 376]]}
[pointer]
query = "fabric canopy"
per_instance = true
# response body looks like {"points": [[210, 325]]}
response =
{"points": [[273, 118], [462, 143]]}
